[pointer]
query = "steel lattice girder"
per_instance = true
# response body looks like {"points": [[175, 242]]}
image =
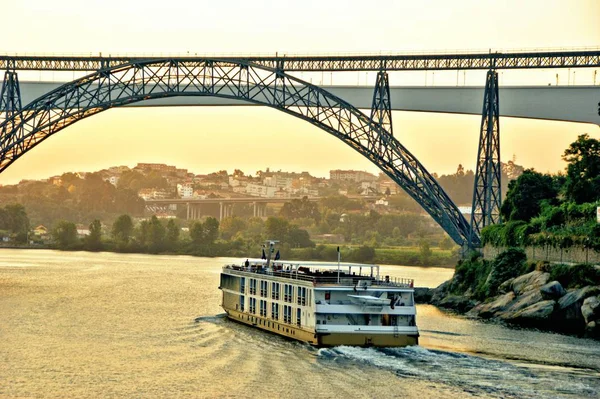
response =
{"points": [[381, 110], [513, 60], [237, 80], [487, 198], [10, 103]]}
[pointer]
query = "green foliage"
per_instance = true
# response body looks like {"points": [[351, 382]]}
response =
{"points": [[296, 209], [507, 265], [525, 194], [583, 171], [93, 242], [363, 254], [172, 235], [122, 229], [14, 218], [575, 276], [425, 251], [65, 235], [231, 226], [470, 275]]}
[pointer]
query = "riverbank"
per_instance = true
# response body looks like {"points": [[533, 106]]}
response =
{"points": [[409, 256], [555, 297]]}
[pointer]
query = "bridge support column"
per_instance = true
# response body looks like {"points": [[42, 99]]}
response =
{"points": [[10, 101], [381, 108], [487, 197], [187, 212], [220, 211]]}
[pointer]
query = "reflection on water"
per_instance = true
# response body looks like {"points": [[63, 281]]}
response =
{"points": [[91, 325]]}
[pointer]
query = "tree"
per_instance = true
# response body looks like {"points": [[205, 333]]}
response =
{"points": [[93, 241], [583, 170], [197, 233], [303, 208], [172, 237], [525, 194], [122, 229], [156, 235], [231, 226], [65, 234], [276, 228], [424, 251], [211, 229], [298, 238], [15, 219]]}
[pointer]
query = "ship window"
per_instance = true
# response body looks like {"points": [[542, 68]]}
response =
{"points": [[242, 300], [275, 291], [298, 316], [275, 311], [263, 308], [287, 292], [263, 288], [301, 295], [243, 285], [253, 305], [287, 314], [252, 286], [327, 295]]}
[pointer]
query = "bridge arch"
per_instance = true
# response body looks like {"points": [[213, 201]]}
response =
{"points": [[240, 80]]}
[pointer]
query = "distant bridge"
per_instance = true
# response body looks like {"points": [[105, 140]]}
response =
{"points": [[560, 103], [196, 207]]}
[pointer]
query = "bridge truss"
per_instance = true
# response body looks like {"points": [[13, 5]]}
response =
{"points": [[240, 80], [464, 61]]}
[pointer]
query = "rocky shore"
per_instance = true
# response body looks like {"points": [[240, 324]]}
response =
{"points": [[529, 300]]}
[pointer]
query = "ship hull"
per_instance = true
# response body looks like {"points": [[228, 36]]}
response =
{"points": [[322, 340]]}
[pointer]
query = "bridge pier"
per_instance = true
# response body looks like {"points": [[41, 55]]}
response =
{"points": [[487, 197], [381, 108], [10, 101]]}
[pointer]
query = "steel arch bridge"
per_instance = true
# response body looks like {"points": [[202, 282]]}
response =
{"points": [[25, 128]]}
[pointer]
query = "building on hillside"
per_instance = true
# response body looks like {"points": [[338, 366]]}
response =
{"points": [[351, 175], [153, 193], [55, 180], [258, 190], [117, 170], [390, 185], [82, 230], [185, 190], [40, 230], [159, 167]]}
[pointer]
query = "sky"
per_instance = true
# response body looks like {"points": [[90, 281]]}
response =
{"points": [[205, 139]]}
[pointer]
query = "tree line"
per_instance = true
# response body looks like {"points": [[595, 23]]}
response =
{"points": [[556, 210]]}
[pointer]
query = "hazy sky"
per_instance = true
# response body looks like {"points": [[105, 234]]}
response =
{"points": [[204, 139]]}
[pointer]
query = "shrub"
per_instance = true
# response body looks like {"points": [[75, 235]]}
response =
{"points": [[575, 276]]}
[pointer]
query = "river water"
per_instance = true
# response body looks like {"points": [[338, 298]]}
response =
{"points": [[101, 325]]}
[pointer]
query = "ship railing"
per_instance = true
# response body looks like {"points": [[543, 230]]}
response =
{"points": [[331, 279]]}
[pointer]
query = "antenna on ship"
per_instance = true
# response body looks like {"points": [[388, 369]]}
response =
{"points": [[270, 251], [339, 255]]}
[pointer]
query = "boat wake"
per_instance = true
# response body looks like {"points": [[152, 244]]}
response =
{"points": [[473, 374]]}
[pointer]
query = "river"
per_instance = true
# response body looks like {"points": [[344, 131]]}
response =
{"points": [[103, 325]]}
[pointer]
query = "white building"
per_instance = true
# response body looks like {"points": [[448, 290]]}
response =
{"points": [[258, 190], [185, 190]]}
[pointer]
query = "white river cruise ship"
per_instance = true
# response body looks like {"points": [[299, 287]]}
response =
{"points": [[323, 304]]}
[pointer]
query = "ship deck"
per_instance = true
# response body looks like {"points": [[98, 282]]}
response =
{"points": [[322, 274]]}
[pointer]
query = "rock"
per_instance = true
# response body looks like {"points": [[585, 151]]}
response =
{"points": [[552, 290], [456, 302], [569, 309], [490, 309], [591, 309], [529, 281], [521, 302], [423, 295], [592, 329], [440, 292], [536, 315], [506, 286]]}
